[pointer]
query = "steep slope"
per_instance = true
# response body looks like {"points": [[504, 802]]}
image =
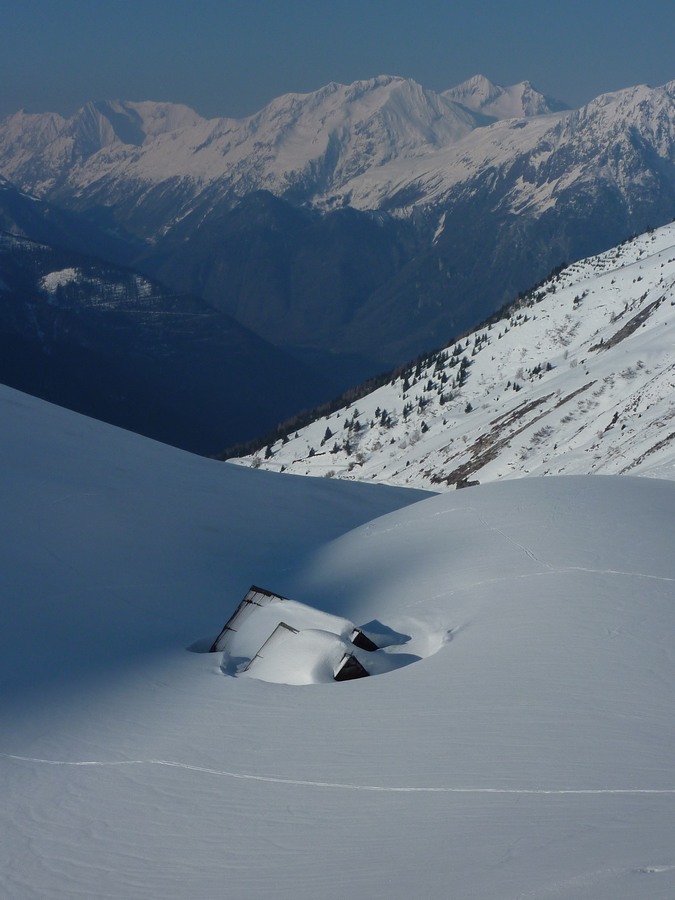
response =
{"points": [[115, 345], [526, 752], [577, 377]]}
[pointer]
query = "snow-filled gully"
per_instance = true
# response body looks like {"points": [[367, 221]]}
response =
{"points": [[270, 779]]}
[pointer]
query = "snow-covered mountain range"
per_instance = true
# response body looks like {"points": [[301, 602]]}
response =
{"points": [[577, 377], [385, 143], [459, 200], [307, 146]]}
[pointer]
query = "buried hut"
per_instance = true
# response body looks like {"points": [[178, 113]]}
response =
{"points": [[275, 638]]}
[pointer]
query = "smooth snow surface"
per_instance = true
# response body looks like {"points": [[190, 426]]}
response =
{"points": [[530, 756]]}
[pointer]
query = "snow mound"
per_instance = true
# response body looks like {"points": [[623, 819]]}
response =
{"points": [[301, 657]]}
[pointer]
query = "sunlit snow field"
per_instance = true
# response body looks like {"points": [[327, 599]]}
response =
{"points": [[527, 753]]}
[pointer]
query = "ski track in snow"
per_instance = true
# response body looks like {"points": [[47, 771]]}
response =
{"points": [[526, 550], [560, 570], [330, 784]]}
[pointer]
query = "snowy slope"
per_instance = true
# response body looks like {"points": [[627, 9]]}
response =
{"points": [[580, 378], [526, 753]]}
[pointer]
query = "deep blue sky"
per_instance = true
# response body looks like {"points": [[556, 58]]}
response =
{"points": [[230, 57]]}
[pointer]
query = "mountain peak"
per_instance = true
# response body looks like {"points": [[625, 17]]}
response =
{"points": [[132, 122], [521, 100], [478, 86]]}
